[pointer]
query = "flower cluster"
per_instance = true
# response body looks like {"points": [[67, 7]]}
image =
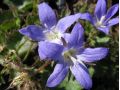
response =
{"points": [[67, 49]]}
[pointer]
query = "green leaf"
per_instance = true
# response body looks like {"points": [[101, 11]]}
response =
{"points": [[2, 81], [26, 6], [24, 45], [71, 84], [91, 71], [102, 40], [5, 15], [10, 24]]}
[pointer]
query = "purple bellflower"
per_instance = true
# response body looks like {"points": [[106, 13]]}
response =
{"points": [[50, 33], [102, 18], [73, 56]]}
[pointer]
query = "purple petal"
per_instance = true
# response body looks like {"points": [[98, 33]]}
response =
{"points": [[49, 50], [46, 15], [112, 11], [87, 16], [76, 37], [66, 36], [34, 32], [82, 75], [58, 75], [105, 29], [113, 21], [93, 54], [100, 9], [67, 21]]}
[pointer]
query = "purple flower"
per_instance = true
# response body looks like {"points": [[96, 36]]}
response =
{"points": [[73, 57], [102, 19], [49, 34]]}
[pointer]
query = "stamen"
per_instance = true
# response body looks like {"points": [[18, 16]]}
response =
{"points": [[89, 63], [63, 41], [45, 25], [100, 22], [102, 19], [69, 55]]}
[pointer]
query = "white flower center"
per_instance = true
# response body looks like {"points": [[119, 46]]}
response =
{"points": [[69, 55], [53, 35], [100, 22]]}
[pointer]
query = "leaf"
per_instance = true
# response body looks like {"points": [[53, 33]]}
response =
{"points": [[2, 81], [71, 84], [5, 15], [24, 45], [91, 71], [10, 24], [102, 40], [26, 6]]}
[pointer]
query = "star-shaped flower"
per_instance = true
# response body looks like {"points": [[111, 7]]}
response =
{"points": [[102, 18], [50, 33], [73, 57]]}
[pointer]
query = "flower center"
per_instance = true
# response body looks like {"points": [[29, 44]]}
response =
{"points": [[53, 35], [68, 54], [100, 22]]}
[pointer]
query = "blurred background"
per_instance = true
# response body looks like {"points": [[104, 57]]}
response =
{"points": [[20, 65]]}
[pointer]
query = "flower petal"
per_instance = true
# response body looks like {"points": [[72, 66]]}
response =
{"points": [[113, 21], [34, 32], [112, 11], [76, 37], [104, 29], [49, 50], [100, 9], [87, 16], [58, 75], [47, 15], [93, 54], [82, 75], [66, 22]]}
